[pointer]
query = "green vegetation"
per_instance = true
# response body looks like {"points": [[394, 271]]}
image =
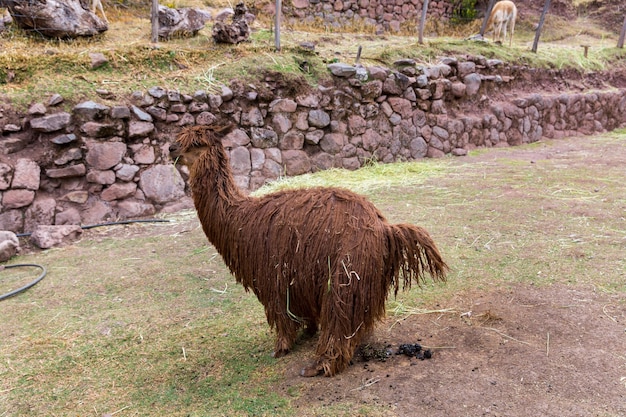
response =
{"points": [[466, 11], [34, 67]]}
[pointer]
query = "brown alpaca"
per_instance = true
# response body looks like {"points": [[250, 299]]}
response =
{"points": [[313, 257]]}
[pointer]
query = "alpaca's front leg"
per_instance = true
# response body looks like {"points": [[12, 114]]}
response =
{"points": [[497, 32]]}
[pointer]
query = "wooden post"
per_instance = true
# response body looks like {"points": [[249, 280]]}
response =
{"points": [[483, 28], [277, 25], [423, 22], [154, 18], [586, 48], [358, 55], [543, 17], [620, 42]]}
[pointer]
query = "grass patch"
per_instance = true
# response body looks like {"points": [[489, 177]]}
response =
{"points": [[369, 179]]}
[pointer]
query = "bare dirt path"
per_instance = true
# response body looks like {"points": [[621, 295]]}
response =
{"points": [[555, 351]]}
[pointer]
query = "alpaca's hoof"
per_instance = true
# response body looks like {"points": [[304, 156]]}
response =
{"points": [[311, 370], [280, 353]]}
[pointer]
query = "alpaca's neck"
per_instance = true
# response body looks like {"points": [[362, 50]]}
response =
{"points": [[216, 196]]}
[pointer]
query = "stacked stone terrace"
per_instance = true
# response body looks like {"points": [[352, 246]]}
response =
{"points": [[100, 162]]}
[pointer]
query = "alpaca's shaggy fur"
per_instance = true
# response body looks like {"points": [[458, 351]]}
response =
{"points": [[314, 257]]}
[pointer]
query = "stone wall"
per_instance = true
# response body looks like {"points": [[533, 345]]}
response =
{"points": [[94, 162], [383, 15]]}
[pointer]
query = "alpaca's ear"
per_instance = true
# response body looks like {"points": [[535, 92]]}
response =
{"points": [[225, 129]]}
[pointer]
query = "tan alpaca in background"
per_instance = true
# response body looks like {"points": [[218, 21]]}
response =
{"points": [[502, 17], [97, 5]]}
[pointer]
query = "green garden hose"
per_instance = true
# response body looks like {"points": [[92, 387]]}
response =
{"points": [[27, 286]]}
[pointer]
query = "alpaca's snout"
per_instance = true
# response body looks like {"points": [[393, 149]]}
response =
{"points": [[174, 148]]}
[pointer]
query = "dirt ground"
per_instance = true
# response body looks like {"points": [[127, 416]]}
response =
{"points": [[556, 351]]}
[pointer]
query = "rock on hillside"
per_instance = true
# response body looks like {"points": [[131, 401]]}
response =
{"points": [[56, 19]]}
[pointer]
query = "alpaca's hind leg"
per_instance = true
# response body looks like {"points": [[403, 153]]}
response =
{"points": [[338, 337], [333, 353]]}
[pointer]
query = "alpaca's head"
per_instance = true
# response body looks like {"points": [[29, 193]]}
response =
{"points": [[193, 141]]}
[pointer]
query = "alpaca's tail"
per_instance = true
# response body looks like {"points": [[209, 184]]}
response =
{"points": [[412, 254]]}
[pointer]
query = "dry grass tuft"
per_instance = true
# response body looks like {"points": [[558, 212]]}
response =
{"points": [[487, 318]]}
